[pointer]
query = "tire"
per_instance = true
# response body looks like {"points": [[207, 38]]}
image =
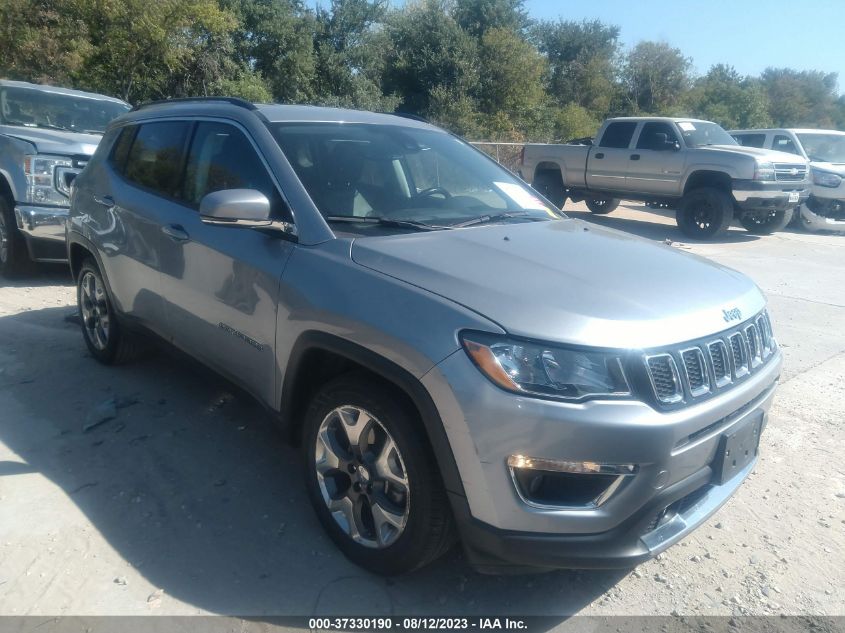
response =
{"points": [[766, 222], [14, 257], [602, 206], [421, 527], [549, 184], [106, 338], [705, 213]]}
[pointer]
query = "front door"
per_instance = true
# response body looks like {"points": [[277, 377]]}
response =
{"points": [[655, 166], [221, 284]]}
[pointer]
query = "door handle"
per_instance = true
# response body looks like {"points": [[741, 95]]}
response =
{"points": [[635, 157], [175, 232], [104, 201], [599, 155]]}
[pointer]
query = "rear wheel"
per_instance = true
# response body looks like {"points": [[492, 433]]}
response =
{"points": [[549, 184], [14, 258], [602, 206], [372, 479], [764, 222], [705, 213], [107, 340]]}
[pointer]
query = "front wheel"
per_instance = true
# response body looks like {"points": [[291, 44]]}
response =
{"points": [[602, 206], [705, 213], [371, 477], [764, 222]]}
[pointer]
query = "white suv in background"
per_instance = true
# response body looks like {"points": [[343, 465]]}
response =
{"points": [[824, 210]]}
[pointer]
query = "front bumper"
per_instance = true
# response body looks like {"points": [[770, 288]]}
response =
{"points": [[674, 451], [44, 230], [753, 194], [823, 213]]}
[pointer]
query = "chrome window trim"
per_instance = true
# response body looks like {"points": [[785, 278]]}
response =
{"points": [[706, 387], [676, 377]]}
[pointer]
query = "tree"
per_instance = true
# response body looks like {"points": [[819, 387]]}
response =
{"points": [[476, 17], [511, 84], [656, 77], [427, 50], [581, 57], [730, 100], [801, 98]]}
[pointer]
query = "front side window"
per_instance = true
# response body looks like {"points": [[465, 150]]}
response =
{"points": [[369, 171], [618, 135], [221, 157], [31, 107], [156, 157], [657, 136]]}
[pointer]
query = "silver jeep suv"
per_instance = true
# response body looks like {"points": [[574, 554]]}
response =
{"points": [[456, 358]]}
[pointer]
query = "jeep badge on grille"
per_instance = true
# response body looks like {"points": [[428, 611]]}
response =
{"points": [[734, 314]]}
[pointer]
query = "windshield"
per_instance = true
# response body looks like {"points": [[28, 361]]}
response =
{"points": [[825, 148], [38, 108], [364, 172], [704, 133]]}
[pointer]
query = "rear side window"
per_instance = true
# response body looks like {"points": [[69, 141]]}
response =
{"points": [[783, 143], [751, 140], [156, 157], [221, 157], [618, 134], [120, 149]]}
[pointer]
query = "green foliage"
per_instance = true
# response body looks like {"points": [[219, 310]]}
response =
{"points": [[478, 67]]}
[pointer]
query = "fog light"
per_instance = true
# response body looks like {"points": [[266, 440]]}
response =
{"points": [[557, 484]]}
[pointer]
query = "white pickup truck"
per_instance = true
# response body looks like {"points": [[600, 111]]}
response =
{"points": [[689, 165]]}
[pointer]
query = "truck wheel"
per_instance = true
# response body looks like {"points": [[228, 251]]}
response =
{"points": [[372, 479], [705, 213], [549, 184], [14, 258], [106, 339], [602, 206], [764, 222]]}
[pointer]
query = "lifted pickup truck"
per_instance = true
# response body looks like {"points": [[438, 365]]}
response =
{"points": [[825, 149], [690, 165], [47, 135]]}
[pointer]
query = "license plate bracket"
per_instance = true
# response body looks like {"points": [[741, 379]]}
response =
{"points": [[738, 448]]}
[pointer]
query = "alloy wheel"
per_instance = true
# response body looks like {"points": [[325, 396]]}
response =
{"points": [[95, 310], [362, 477]]}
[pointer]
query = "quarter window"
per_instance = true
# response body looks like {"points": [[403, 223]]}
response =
{"points": [[120, 150], [221, 157], [157, 155], [618, 134]]}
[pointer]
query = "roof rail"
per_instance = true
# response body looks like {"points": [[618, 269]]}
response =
{"points": [[243, 103]]}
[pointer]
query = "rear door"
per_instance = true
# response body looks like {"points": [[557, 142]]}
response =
{"points": [[655, 164], [221, 284], [608, 162]]}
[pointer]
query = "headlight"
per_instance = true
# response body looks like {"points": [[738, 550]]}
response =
{"points": [[41, 180], [826, 179], [764, 171], [546, 370]]}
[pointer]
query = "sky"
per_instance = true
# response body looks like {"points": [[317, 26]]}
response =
{"points": [[750, 35]]}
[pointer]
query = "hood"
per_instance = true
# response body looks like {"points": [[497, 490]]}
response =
{"points": [[757, 152], [54, 141], [568, 281], [836, 168]]}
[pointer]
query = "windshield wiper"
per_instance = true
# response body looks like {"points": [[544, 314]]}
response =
{"points": [[389, 222], [498, 217]]}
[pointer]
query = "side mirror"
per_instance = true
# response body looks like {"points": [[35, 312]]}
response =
{"points": [[675, 145], [235, 207]]}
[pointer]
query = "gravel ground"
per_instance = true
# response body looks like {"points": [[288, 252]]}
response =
{"points": [[185, 500]]}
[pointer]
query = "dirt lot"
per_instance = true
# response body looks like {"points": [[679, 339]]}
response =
{"points": [[187, 501]]}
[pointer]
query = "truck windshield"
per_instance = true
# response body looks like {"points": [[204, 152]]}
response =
{"points": [[827, 148], [31, 107], [392, 173], [704, 133]]}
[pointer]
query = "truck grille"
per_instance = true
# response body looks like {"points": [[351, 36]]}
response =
{"points": [[695, 371], [789, 172]]}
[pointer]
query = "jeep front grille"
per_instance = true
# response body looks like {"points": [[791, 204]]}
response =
{"points": [[693, 371], [789, 172]]}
